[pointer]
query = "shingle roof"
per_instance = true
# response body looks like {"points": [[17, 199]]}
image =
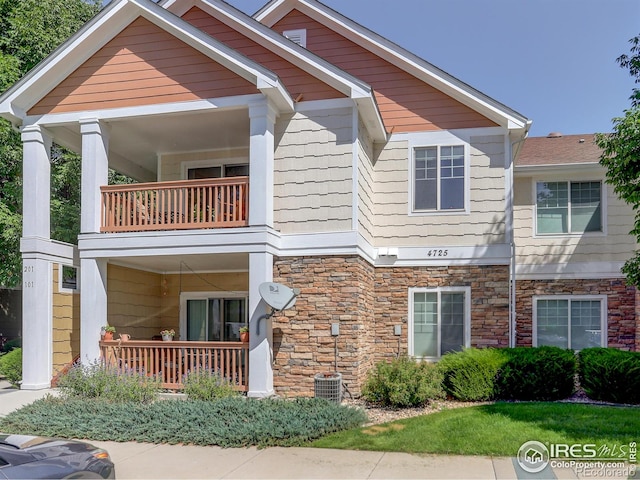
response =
{"points": [[558, 150]]}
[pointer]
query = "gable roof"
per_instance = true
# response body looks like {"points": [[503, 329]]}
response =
{"points": [[275, 10], [16, 101], [557, 149]]}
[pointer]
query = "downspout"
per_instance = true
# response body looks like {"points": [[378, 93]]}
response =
{"points": [[512, 245]]}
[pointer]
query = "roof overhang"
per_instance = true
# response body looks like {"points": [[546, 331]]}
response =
{"points": [[416, 66], [347, 84], [15, 102], [556, 169]]}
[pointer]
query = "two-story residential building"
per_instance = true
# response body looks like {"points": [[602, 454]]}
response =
{"points": [[295, 146]]}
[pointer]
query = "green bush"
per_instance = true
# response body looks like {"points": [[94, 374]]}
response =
{"points": [[403, 383], [540, 373], [12, 344], [109, 383], [471, 375], [227, 422], [205, 385], [11, 366], [610, 375]]}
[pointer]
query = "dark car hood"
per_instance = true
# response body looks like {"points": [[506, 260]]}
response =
{"points": [[41, 447]]}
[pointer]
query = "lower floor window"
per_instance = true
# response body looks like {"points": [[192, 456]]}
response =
{"points": [[439, 321], [215, 319], [570, 322]]}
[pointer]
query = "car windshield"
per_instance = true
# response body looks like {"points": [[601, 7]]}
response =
{"points": [[21, 441]]}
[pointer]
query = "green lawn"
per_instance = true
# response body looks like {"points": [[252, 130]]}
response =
{"points": [[498, 429]]}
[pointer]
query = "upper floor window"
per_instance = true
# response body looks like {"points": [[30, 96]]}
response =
{"points": [[568, 207], [570, 322], [439, 178], [218, 171]]}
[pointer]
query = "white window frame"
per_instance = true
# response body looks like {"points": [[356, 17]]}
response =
{"points": [[62, 289], [603, 315], [298, 36], [184, 296], [603, 208], [439, 139], [467, 316], [221, 162]]}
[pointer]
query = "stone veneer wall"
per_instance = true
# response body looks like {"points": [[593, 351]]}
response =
{"points": [[489, 302], [621, 307], [367, 303], [336, 289]]}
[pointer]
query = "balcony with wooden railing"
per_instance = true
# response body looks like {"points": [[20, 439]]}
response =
{"points": [[172, 361], [187, 204]]}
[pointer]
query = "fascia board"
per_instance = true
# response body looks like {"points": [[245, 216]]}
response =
{"points": [[288, 50], [411, 63], [56, 67]]}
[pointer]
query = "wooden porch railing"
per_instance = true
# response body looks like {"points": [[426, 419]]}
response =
{"points": [[171, 361], [187, 204]]}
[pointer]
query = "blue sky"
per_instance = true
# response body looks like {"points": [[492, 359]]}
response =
{"points": [[551, 60]]}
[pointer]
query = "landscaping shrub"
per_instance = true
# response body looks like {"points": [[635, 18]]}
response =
{"points": [[471, 375], [108, 383], [610, 375], [227, 422], [12, 344], [403, 383], [11, 366], [205, 385], [540, 373]]}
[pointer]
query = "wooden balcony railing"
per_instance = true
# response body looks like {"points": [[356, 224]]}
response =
{"points": [[172, 361], [188, 204]]}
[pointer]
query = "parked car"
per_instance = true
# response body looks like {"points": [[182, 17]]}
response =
{"points": [[26, 456]]}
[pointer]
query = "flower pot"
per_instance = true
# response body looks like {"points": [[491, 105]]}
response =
{"points": [[167, 338], [244, 337], [108, 335]]}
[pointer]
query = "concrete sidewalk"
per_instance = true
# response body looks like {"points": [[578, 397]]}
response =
{"points": [[141, 460]]}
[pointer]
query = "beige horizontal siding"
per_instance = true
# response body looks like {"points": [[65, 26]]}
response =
{"points": [[365, 185], [485, 223], [66, 324], [616, 246], [313, 172]]}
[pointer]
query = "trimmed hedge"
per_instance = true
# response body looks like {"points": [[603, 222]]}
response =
{"points": [[470, 375], [403, 382], [11, 366], [540, 373], [610, 375]]}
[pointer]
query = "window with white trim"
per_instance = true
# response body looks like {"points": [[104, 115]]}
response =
{"points": [[298, 36], [218, 171], [215, 317], [568, 207], [68, 279], [570, 322], [439, 178], [439, 321]]}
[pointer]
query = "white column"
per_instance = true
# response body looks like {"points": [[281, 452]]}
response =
{"points": [[95, 172], [261, 149], [260, 332], [93, 306], [36, 272], [36, 182]]}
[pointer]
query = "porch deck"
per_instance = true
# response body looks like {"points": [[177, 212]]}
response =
{"points": [[171, 361], [187, 204]]}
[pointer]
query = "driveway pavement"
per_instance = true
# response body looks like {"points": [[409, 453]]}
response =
{"points": [[142, 460]]}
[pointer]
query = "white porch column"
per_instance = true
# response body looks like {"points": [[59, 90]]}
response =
{"points": [[260, 344], [93, 306], [95, 172], [261, 149], [36, 272]]}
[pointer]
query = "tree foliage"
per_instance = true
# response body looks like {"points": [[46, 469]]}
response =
{"points": [[29, 31], [621, 155]]}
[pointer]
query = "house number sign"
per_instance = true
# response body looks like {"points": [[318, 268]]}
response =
{"points": [[28, 275]]}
